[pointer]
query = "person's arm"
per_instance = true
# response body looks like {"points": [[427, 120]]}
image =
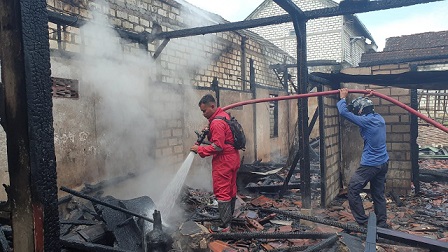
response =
{"points": [[217, 129]]}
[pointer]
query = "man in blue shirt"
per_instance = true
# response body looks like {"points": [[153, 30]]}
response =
{"points": [[374, 160]]}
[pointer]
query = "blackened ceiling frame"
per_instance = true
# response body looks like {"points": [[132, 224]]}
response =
{"points": [[299, 19], [145, 37], [26, 60]]}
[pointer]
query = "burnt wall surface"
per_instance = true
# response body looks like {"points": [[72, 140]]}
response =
{"points": [[159, 132]]}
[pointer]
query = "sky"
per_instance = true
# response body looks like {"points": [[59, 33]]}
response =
{"points": [[381, 24]]}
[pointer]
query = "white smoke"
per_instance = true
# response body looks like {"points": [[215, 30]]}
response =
{"points": [[129, 103], [121, 84]]}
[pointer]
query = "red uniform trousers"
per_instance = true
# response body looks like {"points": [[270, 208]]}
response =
{"points": [[224, 169]]}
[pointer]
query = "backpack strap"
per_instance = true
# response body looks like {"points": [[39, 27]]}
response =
{"points": [[224, 119], [220, 117]]}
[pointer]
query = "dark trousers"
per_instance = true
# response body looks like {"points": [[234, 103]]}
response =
{"points": [[376, 175]]}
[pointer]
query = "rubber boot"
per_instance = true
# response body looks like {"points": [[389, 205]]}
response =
{"points": [[232, 204], [225, 214]]}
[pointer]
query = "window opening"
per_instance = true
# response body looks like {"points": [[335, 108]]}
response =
{"points": [[64, 88]]}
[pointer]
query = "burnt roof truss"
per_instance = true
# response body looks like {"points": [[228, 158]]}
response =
{"points": [[345, 9]]}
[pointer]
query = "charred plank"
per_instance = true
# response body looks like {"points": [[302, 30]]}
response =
{"points": [[87, 246]]}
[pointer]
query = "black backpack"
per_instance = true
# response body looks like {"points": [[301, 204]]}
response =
{"points": [[239, 138]]}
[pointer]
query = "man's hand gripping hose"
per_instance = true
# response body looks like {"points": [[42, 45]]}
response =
{"points": [[200, 140]]}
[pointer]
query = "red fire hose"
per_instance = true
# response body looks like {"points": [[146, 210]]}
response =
{"points": [[334, 92]]}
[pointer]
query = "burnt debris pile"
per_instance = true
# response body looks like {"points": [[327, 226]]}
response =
{"points": [[110, 224], [262, 220]]}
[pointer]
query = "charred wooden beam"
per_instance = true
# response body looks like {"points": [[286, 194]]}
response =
{"points": [[396, 198], [435, 80], [160, 48], [298, 216], [298, 18], [314, 119], [87, 246], [290, 249], [322, 150], [413, 240], [5, 217], [76, 21], [78, 222], [312, 14], [440, 175], [275, 235], [371, 234], [323, 244], [25, 70], [272, 188]]}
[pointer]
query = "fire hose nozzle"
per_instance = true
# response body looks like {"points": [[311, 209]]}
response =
{"points": [[201, 136]]}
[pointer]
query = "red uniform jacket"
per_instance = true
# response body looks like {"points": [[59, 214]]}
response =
{"points": [[220, 136], [226, 159]]}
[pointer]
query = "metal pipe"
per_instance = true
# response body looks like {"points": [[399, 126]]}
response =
{"points": [[334, 92]]}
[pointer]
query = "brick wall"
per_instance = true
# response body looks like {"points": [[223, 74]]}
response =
{"points": [[397, 137], [327, 38], [331, 147], [397, 128], [179, 77]]}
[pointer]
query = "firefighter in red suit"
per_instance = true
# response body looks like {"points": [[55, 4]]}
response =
{"points": [[225, 162]]}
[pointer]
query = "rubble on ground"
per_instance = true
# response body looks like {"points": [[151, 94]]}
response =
{"points": [[262, 220]]}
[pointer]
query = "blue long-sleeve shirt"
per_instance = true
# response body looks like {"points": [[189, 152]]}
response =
{"points": [[373, 131]]}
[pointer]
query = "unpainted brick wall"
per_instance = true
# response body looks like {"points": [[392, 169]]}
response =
{"points": [[397, 137], [398, 127], [199, 58], [327, 38], [332, 148]]}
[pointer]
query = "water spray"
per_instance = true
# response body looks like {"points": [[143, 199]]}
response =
{"points": [[172, 191]]}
